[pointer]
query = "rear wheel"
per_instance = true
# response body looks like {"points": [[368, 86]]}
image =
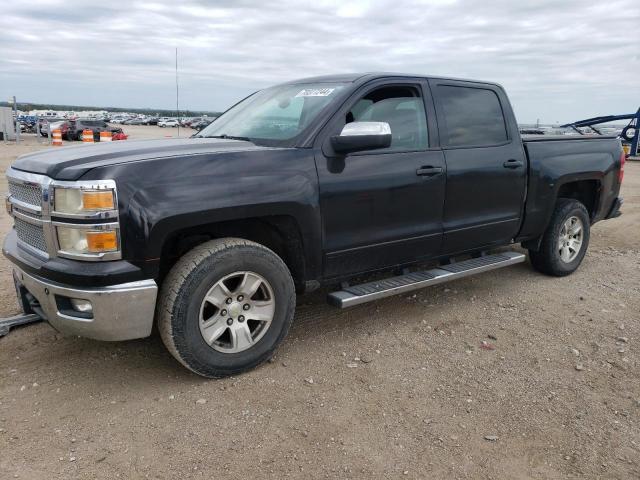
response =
{"points": [[226, 306], [564, 243]]}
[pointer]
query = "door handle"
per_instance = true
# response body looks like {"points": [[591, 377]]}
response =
{"points": [[512, 164], [428, 171]]}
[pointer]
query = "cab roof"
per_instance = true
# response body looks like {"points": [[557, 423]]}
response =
{"points": [[358, 78]]}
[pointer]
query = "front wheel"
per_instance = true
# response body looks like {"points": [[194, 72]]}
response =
{"points": [[564, 243], [225, 307]]}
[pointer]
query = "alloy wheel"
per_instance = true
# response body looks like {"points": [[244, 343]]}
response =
{"points": [[570, 240], [236, 312]]}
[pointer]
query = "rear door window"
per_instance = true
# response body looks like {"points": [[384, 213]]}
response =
{"points": [[472, 116]]}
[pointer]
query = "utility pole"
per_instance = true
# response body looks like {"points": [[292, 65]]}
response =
{"points": [[177, 94]]}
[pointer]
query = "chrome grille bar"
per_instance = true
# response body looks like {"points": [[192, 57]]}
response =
{"points": [[25, 192], [32, 235], [28, 197]]}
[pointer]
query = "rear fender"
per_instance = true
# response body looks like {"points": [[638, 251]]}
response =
{"points": [[554, 164]]}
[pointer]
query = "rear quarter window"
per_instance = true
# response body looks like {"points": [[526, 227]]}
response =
{"points": [[472, 116]]}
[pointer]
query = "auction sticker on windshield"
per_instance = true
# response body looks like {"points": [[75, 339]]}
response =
{"points": [[315, 92]]}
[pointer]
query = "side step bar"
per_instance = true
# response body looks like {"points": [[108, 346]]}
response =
{"points": [[387, 287]]}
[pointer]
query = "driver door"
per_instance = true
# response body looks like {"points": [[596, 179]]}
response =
{"points": [[382, 208]]}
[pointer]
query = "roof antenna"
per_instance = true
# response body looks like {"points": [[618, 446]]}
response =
{"points": [[177, 94]]}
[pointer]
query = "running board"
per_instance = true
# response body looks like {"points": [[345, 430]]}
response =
{"points": [[387, 287]]}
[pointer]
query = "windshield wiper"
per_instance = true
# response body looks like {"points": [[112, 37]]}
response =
{"points": [[229, 137]]}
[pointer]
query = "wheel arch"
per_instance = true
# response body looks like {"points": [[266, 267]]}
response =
{"points": [[279, 233], [586, 191], [585, 188]]}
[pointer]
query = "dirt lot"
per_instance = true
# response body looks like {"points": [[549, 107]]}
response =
{"points": [[396, 389]]}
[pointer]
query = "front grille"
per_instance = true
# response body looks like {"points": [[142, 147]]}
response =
{"points": [[27, 193], [30, 234]]}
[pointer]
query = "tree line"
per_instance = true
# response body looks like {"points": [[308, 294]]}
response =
{"points": [[25, 107]]}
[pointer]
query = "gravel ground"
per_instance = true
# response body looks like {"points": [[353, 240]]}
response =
{"points": [[400, 388]]}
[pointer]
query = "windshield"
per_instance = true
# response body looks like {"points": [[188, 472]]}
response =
{"points": [[274, 115]]}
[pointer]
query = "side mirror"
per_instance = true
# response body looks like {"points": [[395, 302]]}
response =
{"points": [[359, 136]]}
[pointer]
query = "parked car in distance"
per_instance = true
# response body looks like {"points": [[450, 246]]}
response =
{"points": [[136, 121], [77, 126], [199, 125], [309, 183], [170, 122], [27, 123], [151, 121], [53, 123]]}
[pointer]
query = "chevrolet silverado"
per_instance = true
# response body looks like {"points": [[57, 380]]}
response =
{"points": [[311, 183]]}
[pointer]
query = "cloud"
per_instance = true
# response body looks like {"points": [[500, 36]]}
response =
{"points": [[558, 60]]}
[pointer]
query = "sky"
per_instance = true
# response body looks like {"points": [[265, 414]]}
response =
{"points": [[559, 60]]}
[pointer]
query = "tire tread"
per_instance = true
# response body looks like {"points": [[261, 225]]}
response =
{"points": [[172, 290], [545, 260]]}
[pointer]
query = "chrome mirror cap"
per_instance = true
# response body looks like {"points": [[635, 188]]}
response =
{"points": [[361, 136], [365, 128]]}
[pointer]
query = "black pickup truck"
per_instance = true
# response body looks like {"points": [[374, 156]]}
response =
{"points": [[309, 183]]}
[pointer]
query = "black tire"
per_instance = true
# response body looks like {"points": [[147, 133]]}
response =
{"points": [[188, 282], [548, 259]]}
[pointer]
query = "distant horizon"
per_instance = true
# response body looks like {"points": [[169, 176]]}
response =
{"points": [[165, 111], [63, 107]]}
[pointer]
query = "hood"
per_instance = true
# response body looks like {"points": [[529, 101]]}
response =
{"points": [[70, 163]]}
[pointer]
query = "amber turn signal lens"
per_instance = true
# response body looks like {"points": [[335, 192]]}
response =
{"points": [[98, 242], [98, 200]]}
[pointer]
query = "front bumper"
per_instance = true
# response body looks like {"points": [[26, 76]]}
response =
{"points": [[120, 312]]}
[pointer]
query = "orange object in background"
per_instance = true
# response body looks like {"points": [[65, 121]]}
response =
{"points": [[105, 136], [56, 138], [87, 136]]}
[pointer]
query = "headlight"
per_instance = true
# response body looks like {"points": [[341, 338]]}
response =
{"points": [[86, 241], [79, 201], [85, 219]]}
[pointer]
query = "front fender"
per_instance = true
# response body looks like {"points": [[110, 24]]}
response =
{"points": [[171, 196]]}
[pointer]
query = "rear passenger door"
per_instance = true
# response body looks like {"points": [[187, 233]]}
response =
{"points": [[486, 165]]}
